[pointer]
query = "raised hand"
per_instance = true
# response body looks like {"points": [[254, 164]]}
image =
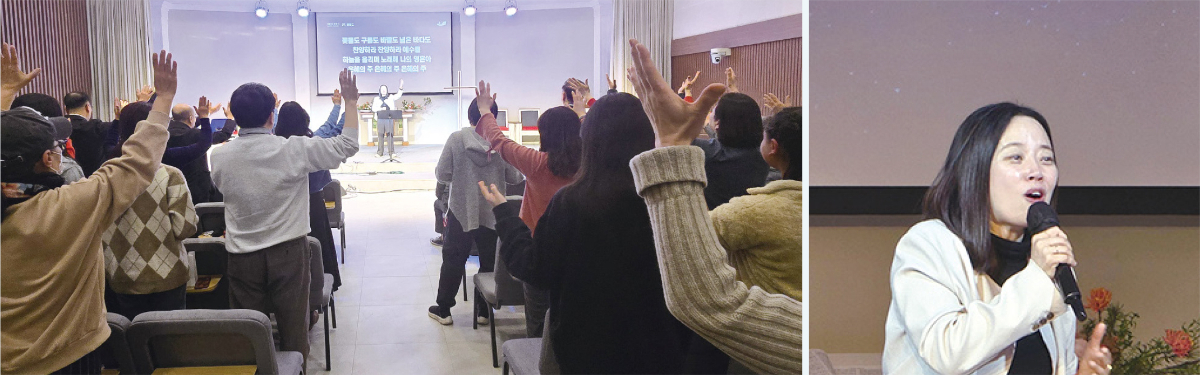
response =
{"points": [[165, 77], [1094, 358], [731, 79], [484, 98], [277, 102], [581, 93], [349, 84], [205, 108], [228, 113], [675, 121], [612, 83], [145, 93], [337, 97], [12, 79], [774, 105], [401, 85], [494, 197], [688, 81]]}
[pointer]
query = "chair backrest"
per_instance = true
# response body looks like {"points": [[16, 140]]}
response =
{"points": [[332, 192], [117, 345], [211, 259], [194, 338], [548, 363], [212, 217], [509, 290], [316, 268]]}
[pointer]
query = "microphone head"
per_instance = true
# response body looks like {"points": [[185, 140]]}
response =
{"points": [[1040, 217]]}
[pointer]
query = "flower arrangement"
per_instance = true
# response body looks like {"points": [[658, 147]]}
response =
{"points": [[413, 106], [1174, 353]]}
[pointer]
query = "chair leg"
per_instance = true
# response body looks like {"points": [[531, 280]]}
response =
{"points": [[492, 322], [506, 366], [342, 231], [333, 310], [328, 361], [464, 285], [475, 314]]}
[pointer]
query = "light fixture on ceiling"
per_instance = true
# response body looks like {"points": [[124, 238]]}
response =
{"points": [[510, 8], [260, 9], [302, 8], [470, 9]]}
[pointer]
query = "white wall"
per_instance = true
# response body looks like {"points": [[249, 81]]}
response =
{"points": [[695, 17], [448, 112], [527, 61]]}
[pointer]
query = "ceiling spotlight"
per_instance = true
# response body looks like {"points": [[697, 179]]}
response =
{"points": [[302, 8], [469, 10], [510, 9], [260, 9]]}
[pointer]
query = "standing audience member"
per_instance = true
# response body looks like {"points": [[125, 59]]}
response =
{"points": [[184, 132], [49, 107], [760, 230], [88, 133], [594, 252], [52, 268], [465, 159], [264, 180], [732, 160], [441, 192], [71, 171], [759, 329], [293, 121], [546, 170], [146, 264]]}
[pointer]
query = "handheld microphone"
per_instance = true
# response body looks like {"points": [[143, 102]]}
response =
{"points": [[1040, 218]]}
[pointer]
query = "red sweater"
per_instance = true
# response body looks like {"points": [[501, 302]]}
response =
{"points": [[540, 184]]}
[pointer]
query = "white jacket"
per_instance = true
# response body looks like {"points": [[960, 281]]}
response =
{"points": [[945, 318]]}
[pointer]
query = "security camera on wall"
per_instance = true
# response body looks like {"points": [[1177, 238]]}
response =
{"points": [[718, 53]]}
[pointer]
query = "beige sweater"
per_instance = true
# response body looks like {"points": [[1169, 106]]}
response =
{"points": [[51, 267], [143, 250], [762, 233], [760, 329]]}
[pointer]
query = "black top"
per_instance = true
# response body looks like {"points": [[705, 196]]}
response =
{"points": [[196, 172], [730, 171], [607, 311], [87, 136], [1032, 356]]}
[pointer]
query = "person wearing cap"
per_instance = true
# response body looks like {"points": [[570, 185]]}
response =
{"points": [[48, 107], [52, 314]]}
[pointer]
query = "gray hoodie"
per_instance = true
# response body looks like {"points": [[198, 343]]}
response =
{"points": [[465, 161]]}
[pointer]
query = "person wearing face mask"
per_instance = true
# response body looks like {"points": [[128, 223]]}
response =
{"points": [[972, 290]]}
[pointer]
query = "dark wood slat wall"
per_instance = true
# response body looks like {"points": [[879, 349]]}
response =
{"points": [[52, 35], [770, 67]]}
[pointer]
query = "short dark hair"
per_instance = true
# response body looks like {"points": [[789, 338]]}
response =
{"points": [[293, 120], [558, 129], [567, 92], [75, 100], [740, 121], [252, 105], [784, 128], [45, 104], [959, 195], [473, 114]]}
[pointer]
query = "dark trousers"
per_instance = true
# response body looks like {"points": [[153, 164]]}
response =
{"points": [[130, 305], [439, 208], [454, 257], [318, 223], [89, 364], [537, 301], [275, 280]]}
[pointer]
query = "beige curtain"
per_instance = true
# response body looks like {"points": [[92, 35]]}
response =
{"points": [[119, 37], [648, 21]]}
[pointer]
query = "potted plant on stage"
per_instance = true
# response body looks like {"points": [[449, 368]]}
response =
{"points": [[411, 108]]}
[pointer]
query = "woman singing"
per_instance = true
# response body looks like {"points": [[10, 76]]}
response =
{"points": [[972, 292]]}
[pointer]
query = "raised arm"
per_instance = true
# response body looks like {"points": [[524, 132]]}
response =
{"points": [[333, 125], [523, 158], [759, 329], [328, 153], [535, 262], [12, 79]]}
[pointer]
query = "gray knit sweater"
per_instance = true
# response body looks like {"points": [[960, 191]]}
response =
{"points": [[465, 161], [764, 331]]}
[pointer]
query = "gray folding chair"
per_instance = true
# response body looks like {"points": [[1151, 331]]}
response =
{"points": [[332, 192], [200, 338], [116, 348], [212, 217], [531, 356], [211, 259], [498, 289], [321, 292]]}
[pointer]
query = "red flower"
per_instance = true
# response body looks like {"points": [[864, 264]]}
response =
{"points": [[1180, 342], [1099, 300]]}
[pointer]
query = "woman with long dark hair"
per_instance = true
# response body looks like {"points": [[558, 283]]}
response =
{"points": [[546, 170], [594, 252], [972, 290], [293, 121]]}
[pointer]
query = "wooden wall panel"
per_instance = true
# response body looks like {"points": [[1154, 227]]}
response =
{"points": [[52, 35], [772, 67]]}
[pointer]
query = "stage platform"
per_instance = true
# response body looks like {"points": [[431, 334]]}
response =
{"points": [[366, 172]]}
